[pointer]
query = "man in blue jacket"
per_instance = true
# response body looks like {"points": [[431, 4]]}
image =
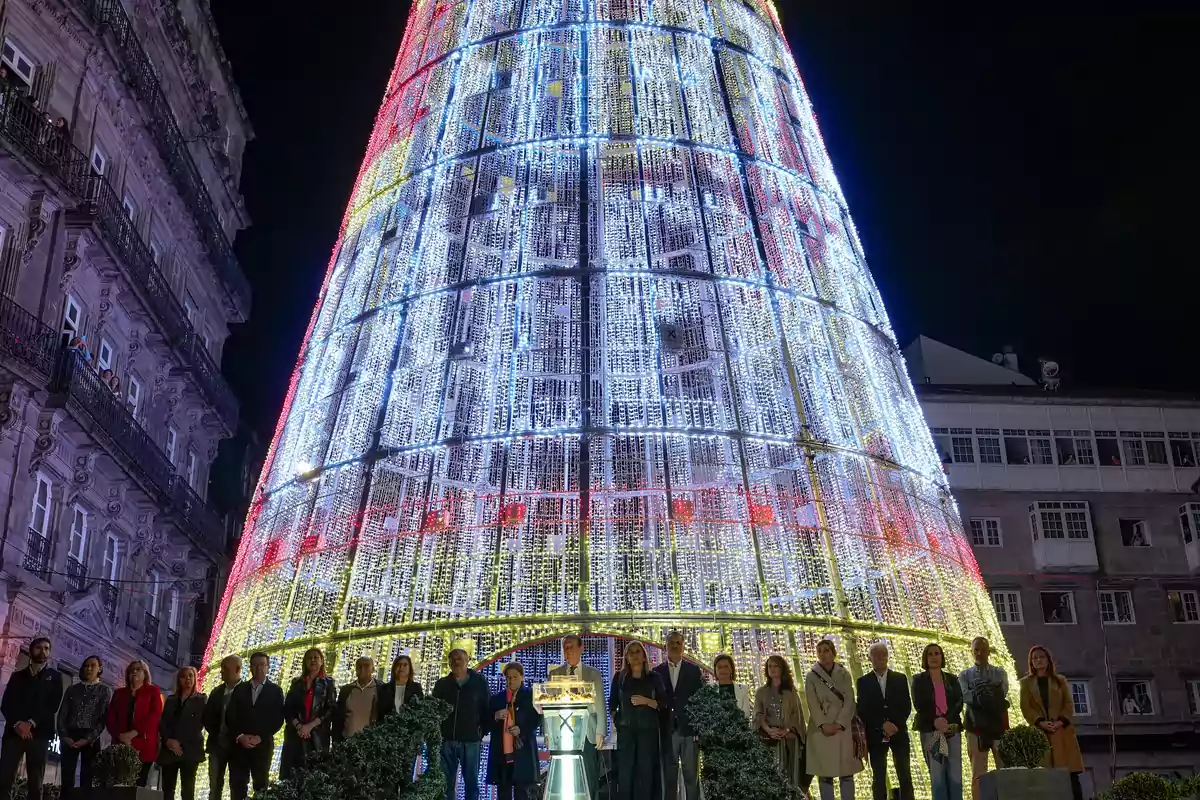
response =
{"points": [[30, 708], [467, 693]]}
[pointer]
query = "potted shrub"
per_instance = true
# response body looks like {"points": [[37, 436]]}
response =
{"points": [[734, 762], [116, 772], [1148, 786], [1023, 752]]}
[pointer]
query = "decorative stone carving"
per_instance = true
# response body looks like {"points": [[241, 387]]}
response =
{"points": [[36, 226], [70, 257]]}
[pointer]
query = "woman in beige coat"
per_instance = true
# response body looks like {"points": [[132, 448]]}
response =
{"points": [[1047, 705], [779, 720], [829, 690]]}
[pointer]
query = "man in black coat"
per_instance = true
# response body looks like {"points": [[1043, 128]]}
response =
{"points": [[468, 694], [30, 708], [884, 706], [679, 750], [216, 722], [255, 716]]}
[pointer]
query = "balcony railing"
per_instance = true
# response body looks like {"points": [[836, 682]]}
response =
{"points": [[37, 554], [136, 451], [109, 594], [172, 650], [25, 127], [26, 339], [140, 74], [77, 579], [150, 633]]}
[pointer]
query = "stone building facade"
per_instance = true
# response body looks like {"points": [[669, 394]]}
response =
{"points": [[1086, 527], [118, 288]]}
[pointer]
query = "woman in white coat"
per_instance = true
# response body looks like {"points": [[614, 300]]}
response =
{"points": [[829, 689], [726, 672]]}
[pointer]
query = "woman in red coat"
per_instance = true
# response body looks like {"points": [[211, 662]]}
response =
{"points": [[134, 713]]}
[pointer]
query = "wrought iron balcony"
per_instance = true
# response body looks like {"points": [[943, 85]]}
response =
{"points": [[109, 594], [25, 339], [150, 633], [37, 554], [172, 651], [24, 127], [77, 578], [124, 437], [142, 78]]}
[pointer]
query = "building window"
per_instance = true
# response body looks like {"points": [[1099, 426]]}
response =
{"points": [[39, 518], [78, 545], [1182, 452], [18, 63], [133, 396], [105, 356], [1008, 607], [72, 322], [192, 462], [1083, 450], [173, 610], [985, 531], [154, 588], [99, 160], [1193, 689], [131, 208], [1116, 607], [1189, 522], [155, 254], [989, 450], [112, 557], [1065, 520], [1080, 698], [1108, 449], [1135, 698], [1040, 449], [963, 449], [1058, 608], [1185, 605], [1134, 532], [172, 439], [1156, 450]]}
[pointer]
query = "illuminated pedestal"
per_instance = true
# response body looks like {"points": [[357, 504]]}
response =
{"points": [[566, 705]]}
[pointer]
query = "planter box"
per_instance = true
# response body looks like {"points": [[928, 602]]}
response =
{"points": [[119, 793], [1022, 784]]}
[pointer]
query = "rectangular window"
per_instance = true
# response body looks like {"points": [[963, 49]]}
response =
{"points": [[72, 319], [1193, 687], [105, 356], [1182, 452], [1041, 451], [1156, 451], [1008, 607], [191, 469], [1189, 522], [985, 531], [1058, 608], [1083, 451], [130, 207], [1135, 452], [20, 64], [1135, 698], [112, 558], [78, 545], [1065, 520], [39, 519], [1134, 532], [172, 439], [1116, 607], [989, 450], [133, 396], [1108, 449], [964, 449], [173, 610], [154, 588], [155, 254], [1185, 605], [99, 160], [1081, 698]]}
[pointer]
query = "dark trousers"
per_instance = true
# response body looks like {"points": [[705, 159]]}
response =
{"points": [[680, 752], [13, 749], [637, 762], [508, 789], [144, 773], [250, 764], [186, 773], [1076, 787], [591, 768], [877, 752], [218, 760], [465, 754], [72, 758]]}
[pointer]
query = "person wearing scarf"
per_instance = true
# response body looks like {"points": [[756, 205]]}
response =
{"points": [[985, 696], [938, 703], [309, 708], [512, 756]]}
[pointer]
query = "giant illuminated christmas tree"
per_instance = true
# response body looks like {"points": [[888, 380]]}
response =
{"points": [[598, 351]]}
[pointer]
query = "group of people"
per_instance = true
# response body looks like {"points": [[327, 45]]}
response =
{"points": [[657, 756], [54, 132]]}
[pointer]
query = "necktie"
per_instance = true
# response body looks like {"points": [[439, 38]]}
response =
{"points": [[572, 672]]}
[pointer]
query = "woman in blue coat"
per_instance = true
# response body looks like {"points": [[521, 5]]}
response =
{"points": [[513, 752]]}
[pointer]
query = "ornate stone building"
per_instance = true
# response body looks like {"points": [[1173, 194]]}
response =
{"points": [[118, 288]]}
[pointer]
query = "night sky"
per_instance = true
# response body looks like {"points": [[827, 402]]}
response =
{"points": [[1017, 178]]}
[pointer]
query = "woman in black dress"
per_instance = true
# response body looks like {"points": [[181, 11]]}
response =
{"points": [[308, 708], [637, 702]]}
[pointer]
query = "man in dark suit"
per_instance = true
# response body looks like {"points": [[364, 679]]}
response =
{"points": [[255, 716], [216, 722], [30, 708], [884, 706], [679, 750]]}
